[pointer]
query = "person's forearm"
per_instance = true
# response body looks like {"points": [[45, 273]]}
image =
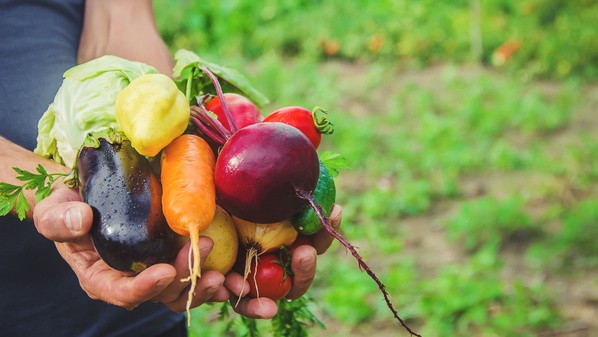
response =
{"points": [[124, 28], [13, 155]]}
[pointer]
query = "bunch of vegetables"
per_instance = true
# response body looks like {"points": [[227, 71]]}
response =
{"points": [[161, 159]]}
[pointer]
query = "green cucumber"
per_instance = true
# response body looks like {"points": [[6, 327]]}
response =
{"points": [[306, 220]]}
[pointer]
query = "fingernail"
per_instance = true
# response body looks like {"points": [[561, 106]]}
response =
{"points": [[73, 219], [307, 263], [205, 251]]}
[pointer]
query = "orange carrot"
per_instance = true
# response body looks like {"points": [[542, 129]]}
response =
{"points": [[189, 195]]}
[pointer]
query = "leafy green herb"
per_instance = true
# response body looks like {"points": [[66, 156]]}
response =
{"points": [[334, 162], [224, 315], [294, 318], [249, 324], [190, 78], [13, 196]]}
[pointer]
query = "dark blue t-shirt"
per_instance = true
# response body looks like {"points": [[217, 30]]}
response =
{"points": [[39, 293]]}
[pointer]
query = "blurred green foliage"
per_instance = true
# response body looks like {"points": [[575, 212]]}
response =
{"points": [[471, 300], [480, 221], [556, 38], [496, 161]]}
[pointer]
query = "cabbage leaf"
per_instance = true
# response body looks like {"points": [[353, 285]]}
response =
{"points": [[84, 104]]}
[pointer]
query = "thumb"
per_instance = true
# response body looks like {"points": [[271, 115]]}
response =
{"points": [[60, 217]]}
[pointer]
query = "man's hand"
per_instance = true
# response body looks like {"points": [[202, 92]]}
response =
{"points": [[63, 218], [303, 265]]}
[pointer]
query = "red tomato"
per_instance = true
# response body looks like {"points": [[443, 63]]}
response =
{"points": [[271, 280], [311, 124], [244, 112]]}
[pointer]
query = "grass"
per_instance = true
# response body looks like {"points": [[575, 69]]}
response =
{"points": [[454, 169]]}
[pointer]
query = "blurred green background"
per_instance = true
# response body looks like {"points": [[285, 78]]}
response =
{"points": [[470, 129]]}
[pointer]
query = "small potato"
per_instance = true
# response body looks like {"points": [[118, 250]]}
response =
{"points": [[226, 245]]}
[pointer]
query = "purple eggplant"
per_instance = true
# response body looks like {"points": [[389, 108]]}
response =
{"points": [[129, 230]]}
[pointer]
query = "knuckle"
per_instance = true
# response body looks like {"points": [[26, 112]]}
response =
{"points": [[89, 290], [39, 220], [168, 297], [91, 295], [302, 279], [96, 291], [124, 303]]}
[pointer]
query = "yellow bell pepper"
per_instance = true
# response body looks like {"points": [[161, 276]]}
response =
{"points": [[151, 111]]}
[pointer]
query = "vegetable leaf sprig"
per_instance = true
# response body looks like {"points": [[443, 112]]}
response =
{"points": [[334, 162], [13, 195], [189, 74], [249, 325], [294, 318]]}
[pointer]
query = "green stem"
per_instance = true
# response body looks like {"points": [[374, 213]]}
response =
{"points": [[220, 94], [72, 178], [188, 87], [323, 125]]}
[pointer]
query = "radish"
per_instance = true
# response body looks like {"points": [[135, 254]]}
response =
{"points": [[243, 110], [267, 172], [312, 123]]}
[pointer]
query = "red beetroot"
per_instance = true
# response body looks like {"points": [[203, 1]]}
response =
{"points": [[260, 167]]}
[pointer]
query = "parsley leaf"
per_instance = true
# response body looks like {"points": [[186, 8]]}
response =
{"points": [[12, 196]]}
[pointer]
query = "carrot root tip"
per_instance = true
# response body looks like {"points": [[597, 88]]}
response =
{"points": [[194, 271]]}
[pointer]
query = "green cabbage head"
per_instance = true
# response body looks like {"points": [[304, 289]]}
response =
{"points": [[84, 104]]}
